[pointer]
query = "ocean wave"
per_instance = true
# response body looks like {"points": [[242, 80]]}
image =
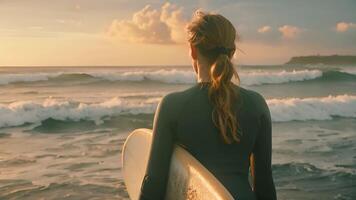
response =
{"points": [[306, 172], [304, 176], [318, 108], [15, 78], [21, 112], [175, 76], [163, 75], [67, 188], [259, 78], [188, 77], [294, 169], [349, 70], [282, 110], [338, 76]]}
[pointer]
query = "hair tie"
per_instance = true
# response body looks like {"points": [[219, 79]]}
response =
{"points": [[222, 50]]}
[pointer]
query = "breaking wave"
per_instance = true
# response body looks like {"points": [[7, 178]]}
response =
{"points": [[303, 109], [175, 76], [282, 110]]}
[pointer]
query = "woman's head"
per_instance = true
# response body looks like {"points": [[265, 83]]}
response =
{"points": [[208, 32], [212, 39]]}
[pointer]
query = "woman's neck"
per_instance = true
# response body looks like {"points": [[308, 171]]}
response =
{"points": [[202, 72]]}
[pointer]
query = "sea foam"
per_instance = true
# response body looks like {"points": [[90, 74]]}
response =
{"points": [[173, 76], [259, 78], [282, 110], [22, 112], [323, 108]]}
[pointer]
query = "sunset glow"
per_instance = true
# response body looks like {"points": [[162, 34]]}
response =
{"points": [[109, 32]]}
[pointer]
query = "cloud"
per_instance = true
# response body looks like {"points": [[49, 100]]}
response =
{"points": [[77, 7], [289, 32], [162, 26], [344, 26], [264, 29]]}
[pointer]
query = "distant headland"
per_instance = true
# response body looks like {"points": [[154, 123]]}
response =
{"points": [[327, 60]]}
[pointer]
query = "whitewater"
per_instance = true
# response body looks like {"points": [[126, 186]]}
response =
{"points": [[173, 76], [21, 112]]}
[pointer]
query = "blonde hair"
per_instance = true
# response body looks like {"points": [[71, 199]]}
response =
{"points": [[214, 37]]}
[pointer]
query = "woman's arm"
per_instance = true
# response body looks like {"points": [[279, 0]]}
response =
{"points": [[264, 186], [155, 181]]}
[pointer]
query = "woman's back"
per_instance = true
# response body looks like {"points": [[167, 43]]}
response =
{"points": [[218, 122], [185, 119]]}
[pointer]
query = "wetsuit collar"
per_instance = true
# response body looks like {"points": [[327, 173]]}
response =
{"points": [[204, 84]]}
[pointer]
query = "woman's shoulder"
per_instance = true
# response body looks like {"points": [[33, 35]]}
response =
{"points": [[251, 94], [178, 100], [177, 96], [252, 99], [172, 104]]}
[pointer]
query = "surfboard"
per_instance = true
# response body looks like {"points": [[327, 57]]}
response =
{"points": [[188, 178]]}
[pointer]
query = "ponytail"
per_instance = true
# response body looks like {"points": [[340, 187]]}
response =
{"points": [[214, 36], [222, 95]]}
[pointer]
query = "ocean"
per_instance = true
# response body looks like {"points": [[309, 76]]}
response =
{"points": [[62, 128]]}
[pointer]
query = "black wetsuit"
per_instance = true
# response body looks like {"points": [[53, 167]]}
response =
{"points": [[184, 118]]}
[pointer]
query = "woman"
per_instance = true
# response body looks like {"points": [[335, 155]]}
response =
{"points": [[218, 122]]}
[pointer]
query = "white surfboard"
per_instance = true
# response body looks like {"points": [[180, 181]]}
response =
{"points": [[188, 179]]}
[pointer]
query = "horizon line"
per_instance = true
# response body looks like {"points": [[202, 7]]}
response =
{"points": [[22, 66]]}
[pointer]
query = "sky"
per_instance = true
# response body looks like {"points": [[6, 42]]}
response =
{"points": [[137, 33]]}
